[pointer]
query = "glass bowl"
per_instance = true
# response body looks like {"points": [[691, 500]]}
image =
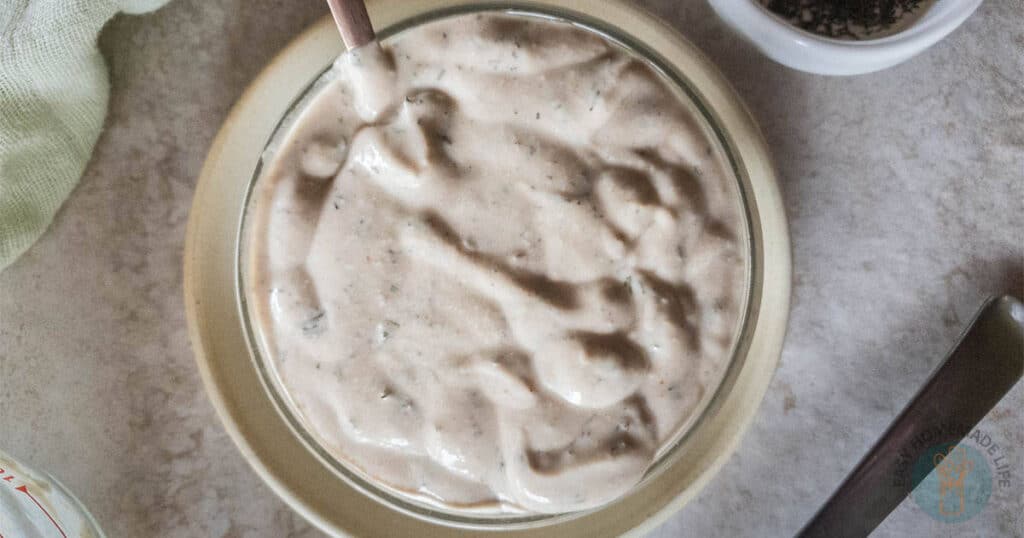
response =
{"points": [[698, 448]]}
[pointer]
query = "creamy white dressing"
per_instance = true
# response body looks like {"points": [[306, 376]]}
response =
{"points": [[497, 264]]}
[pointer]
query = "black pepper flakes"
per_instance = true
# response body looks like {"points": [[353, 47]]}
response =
{"points": [[851, 19]]}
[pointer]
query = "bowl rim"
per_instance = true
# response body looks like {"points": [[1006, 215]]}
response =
{"points": [[259, 342], [933, 26], [217, 346]]}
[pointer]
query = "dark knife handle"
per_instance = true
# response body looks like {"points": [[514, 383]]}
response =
{"points": [[985, 364]]}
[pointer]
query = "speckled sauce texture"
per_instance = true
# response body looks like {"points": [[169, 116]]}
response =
{"points": [[498, 265]]}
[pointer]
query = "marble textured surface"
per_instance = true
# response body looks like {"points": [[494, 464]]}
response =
{"points": [[905, 191]]}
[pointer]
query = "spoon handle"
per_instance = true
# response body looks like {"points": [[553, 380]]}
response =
{"points": [[353, 22], [981, 369]]}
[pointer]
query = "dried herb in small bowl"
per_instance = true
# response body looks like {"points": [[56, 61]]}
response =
{"points": [[849, 19]]}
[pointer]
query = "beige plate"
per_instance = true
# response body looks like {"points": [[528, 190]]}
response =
{"points": [[262, 435]]}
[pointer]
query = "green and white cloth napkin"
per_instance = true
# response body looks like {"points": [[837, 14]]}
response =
{"points": [[53, 96]]}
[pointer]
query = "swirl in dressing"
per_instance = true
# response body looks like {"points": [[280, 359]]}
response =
{"points": [[500, 269]]}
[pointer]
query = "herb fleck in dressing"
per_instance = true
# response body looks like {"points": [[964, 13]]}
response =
{"points": [[504, 266]]}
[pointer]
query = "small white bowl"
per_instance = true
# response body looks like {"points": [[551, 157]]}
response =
{"points": [[803, 50]]}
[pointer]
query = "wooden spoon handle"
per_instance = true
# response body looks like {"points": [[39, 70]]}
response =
{"points": [[353, 22]]}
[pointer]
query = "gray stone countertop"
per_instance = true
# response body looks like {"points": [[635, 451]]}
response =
{"points": [[904, 189]]}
